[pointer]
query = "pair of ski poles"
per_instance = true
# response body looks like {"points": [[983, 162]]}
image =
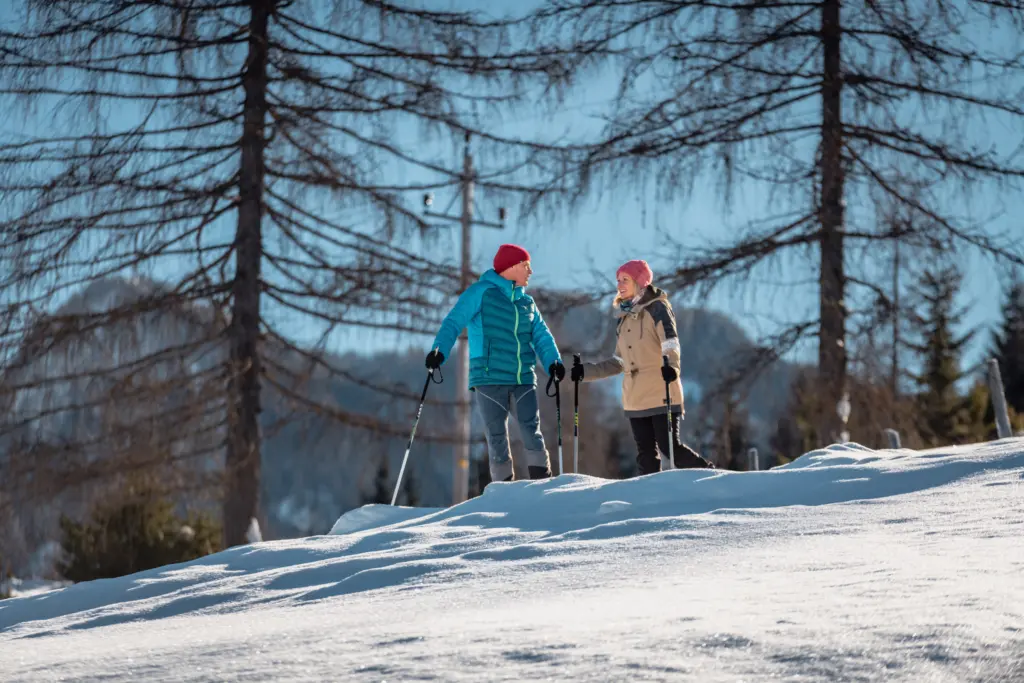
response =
{"points": [[667, 465], [558, 413], [575, 421]]}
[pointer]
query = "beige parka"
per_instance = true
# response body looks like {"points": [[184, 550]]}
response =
{"points": [[645, 334]]}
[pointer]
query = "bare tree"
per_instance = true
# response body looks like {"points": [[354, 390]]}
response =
{"points": [[249, 157], [832, 106]]}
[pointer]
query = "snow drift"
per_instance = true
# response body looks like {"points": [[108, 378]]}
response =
{"points": [[847, 564]]}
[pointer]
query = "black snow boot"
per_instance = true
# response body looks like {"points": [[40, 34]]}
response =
{"points": [[538, 472]]}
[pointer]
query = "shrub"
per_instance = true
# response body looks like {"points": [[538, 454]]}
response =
{"points": [[132, 535]]}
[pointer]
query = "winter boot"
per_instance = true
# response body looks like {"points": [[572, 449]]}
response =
{"points": [[538, 472], [687, 458]]}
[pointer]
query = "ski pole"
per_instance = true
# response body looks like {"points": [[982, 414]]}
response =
{"points": [[576, 420], [419, 411], [668, 413], [558, 415]]}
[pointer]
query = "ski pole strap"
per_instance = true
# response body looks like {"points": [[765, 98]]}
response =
{"points": [[426, 385], [551, 380]]}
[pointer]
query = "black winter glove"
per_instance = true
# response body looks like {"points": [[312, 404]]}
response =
{"points": [[577, 370], [557, 370], [669, 374], [434, 359]]}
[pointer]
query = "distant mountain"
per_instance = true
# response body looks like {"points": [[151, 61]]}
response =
{"points": [[712, 344]]}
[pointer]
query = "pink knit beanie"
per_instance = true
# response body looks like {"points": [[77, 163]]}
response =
{"points": [[639, 271]]}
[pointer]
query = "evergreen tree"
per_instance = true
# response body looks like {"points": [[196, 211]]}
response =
{"points": [[5, 579], [251, 154], [409, 496], [942, 413], [796, 432], [1008, 346], [829, 103], [785, 443], [138, 532], [381, 488], [734, 436]]}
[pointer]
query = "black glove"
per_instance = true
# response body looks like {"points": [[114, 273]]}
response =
{"points": [[557, 370], [577, 370], [669, 374], [434, 359]]}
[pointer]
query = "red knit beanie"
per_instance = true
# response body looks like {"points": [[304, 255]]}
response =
{"points": [[639, 271], [509, 255]]}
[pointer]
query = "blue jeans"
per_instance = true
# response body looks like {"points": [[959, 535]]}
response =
{"points": [[494, 403]]}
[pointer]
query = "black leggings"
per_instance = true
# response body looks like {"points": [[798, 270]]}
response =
{"points": [[651, 435]]}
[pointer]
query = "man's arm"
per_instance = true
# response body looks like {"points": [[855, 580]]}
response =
{"points": [[543, 342], [464, 310]]}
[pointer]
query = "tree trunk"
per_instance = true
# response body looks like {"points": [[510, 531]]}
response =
{"points": [[832, 335], [242, 466]]}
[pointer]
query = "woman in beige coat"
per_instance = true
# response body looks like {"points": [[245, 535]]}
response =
{"points": [[646, 332]]}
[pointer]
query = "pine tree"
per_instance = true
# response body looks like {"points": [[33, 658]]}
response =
{"points": [[942, 412], [382, 484], [796, 433], [785, 442], [253, 155], [409, 497], [137, 532], [381, 490], [5, 580], [826, 103], [1008, 345], [734, 435]]}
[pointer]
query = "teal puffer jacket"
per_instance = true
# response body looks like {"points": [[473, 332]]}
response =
{"points": [[506, 333]]}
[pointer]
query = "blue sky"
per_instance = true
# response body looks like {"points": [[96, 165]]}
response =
{"points": [[582, 247], [604, 233], [611, 228]]}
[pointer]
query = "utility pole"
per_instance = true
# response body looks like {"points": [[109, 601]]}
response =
{"points": [[463, 411], [895, 379]]}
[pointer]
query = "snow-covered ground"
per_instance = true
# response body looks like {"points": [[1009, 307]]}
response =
{"points": [[22, 588], [846, 565]]}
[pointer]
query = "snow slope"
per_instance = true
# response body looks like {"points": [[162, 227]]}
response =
{"points": [[848, 564], [21, 588]]}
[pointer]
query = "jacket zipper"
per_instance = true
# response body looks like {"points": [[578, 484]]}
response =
{"points": [[515, 332]]}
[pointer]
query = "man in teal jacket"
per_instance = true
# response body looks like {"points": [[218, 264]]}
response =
{"points": [[506, 334]]}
